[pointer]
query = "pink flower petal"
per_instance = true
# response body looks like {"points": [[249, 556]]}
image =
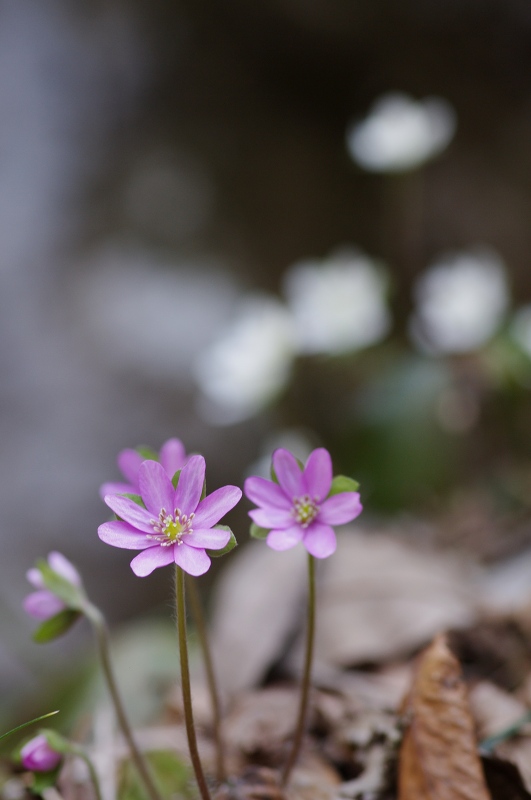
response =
{"points": [[42, 604], [213, 507], [271, 518], [320, 540], [38, 756], [129, 463], [318, 473], [64, 568], [155, 488], [288, 472], [121, 534], [172, 456], [144, 563], [34, 576], [191, 560], [129, 511], [266, 493], [117, 488], [286, 539], [340, 508], [209, 538], [190, 486]]}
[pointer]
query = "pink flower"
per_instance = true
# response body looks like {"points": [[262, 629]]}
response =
{"points": [[174, 525], [38, 756], [43, 603], [298, 508], [172, 456]]}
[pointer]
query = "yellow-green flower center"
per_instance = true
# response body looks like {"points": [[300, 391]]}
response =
{"points": [[170, 528], [305, 509]]}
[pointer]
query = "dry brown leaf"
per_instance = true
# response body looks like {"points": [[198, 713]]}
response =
{"points": [[438, 757], [382, 598]]}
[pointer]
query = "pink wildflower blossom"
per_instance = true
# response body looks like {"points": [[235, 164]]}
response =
{"points": [[38, 756], [298, 508], [43, 603], [172, 456], [175, 525]]}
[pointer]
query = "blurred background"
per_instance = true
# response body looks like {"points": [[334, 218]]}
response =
{"points": [[252, 224]]}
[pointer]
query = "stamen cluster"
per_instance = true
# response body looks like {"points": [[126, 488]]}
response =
{"points": [[169, 528], [305, 509]]}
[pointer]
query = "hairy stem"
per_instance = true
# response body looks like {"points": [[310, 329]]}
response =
{"points": [[305, 684], [180, 605], [102, 638], [199, 620]]}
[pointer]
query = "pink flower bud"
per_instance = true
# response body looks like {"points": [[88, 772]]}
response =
{"points": [[38, 756]]}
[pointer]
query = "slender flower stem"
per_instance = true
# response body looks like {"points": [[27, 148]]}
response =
{"points": [[180, 605], [305, 684], [199, 620], [102, 637], [79, 751]]}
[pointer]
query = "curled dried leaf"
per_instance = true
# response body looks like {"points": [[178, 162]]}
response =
{"points": [[438, 757]]}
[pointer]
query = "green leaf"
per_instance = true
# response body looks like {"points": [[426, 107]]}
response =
{"points": [[342, 484], [72, 596], [44, 780], [147, 452], [30, 722], [203, 493], [55, 626], [231, 544], [256, 532], [273, 475], [58, 742], [175, 479], [172, 772], [135, 498]]}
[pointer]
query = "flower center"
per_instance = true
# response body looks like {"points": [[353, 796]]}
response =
{"points": [[170, 528], [305, 509]]}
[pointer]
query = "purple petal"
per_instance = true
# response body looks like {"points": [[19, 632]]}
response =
{"points": [[340, 508], [211, 538], [121, 534], [190, 486], [117, 488], [286, 539], [288, 472], [129, 463], [38, 756], [191, 560], [42, 604], [271, 518], [144, 563], [172, 456], [216, 505], [64, 568], [266, 493], [34, 576], [320, 540], [130, 511], [155, 488], [318, 473]]}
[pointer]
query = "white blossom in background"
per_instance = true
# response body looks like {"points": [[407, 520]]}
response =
{"points": [[460, 302], [339, 304], [249, 364], [400, 134], [520, 329]]}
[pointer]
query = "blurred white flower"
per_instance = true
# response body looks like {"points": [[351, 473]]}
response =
{"points": [[401, 134], [249, 364], [461, 302], [521, 329], [339, 304]]}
